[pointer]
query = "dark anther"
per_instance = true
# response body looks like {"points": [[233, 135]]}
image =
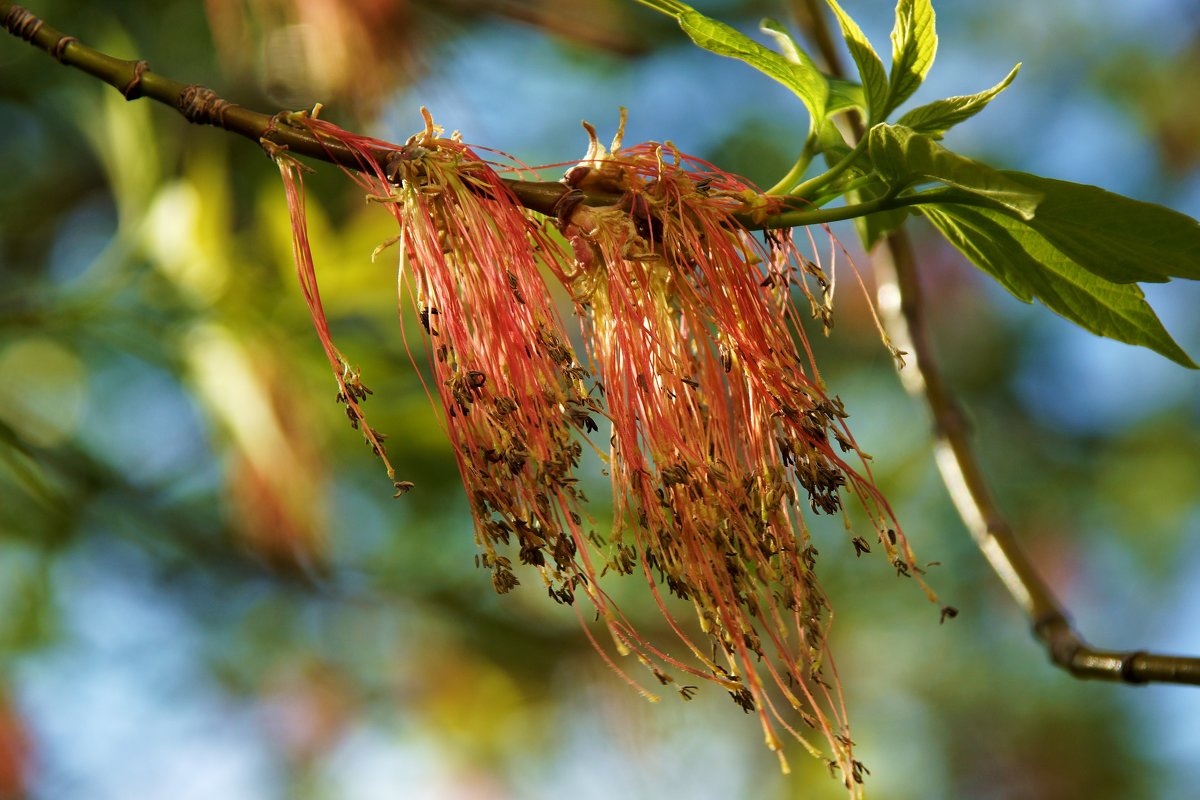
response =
{"points": [[133, 89], [531, 554], [744, 700], [645, 223], [60, 47], [948, 612], [425, 314], [20, 22]]}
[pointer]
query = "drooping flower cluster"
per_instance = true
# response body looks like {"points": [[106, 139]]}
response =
{"points": [[722, 433], [718, 416], [516, 403]]}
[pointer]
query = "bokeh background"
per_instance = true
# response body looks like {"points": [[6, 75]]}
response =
{"points": [[206, 589]]}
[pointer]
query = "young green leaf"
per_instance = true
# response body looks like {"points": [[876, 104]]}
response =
{"points": [[870, 66], [804, 79], [872, 227], [914, 44], [845, 95], [832, 144], [1115, 237], [1029, 266], [791, 50], [940, 116], [904, 158]]}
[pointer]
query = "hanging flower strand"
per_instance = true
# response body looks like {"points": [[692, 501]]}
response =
{"points": [[716, 408], [515, 401], [352, 392], [690, 323]]}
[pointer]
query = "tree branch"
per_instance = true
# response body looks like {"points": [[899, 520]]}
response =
{"points": [[202, 106], [901, 305]]}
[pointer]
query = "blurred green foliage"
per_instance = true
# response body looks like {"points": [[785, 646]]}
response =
{"points": [[201, 564]]}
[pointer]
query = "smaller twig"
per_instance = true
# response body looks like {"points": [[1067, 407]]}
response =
{"points": [[901, 306], [811, 186]]}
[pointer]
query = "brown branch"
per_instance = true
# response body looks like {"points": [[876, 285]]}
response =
{"points": [[202, 106], [901, 305]]}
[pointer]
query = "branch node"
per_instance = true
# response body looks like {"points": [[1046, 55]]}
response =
{"points": [[202, 106], [60, 48], [274, 151], [131, 90], [1129, 672], [565, 205], [21, 22]]}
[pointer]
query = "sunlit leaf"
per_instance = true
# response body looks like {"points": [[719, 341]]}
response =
{"points": [[788, 45], [803, 79], [1115, 237], [904, 158], [914, 44], [937, 117], [1029, 266], [845, 95], [870, 66]]}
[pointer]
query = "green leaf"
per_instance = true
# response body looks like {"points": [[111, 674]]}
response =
{"points": [[845, 95], [870, 66], [914, 44], [1115, 237], [832, 144], [1029, 266], [791, 50], [904, 158], [940, 116], [805, 81], [872, 227]]}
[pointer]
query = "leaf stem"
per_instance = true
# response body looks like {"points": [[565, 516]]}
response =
{"points": [[668, 7], [819, 216], [809, 187], [793, 176]]}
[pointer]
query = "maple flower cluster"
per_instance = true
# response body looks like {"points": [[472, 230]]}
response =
{"points": [[718, 433]]}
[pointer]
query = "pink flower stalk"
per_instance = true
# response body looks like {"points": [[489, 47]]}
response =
{"points": [[351, 390], [718, 413]]}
